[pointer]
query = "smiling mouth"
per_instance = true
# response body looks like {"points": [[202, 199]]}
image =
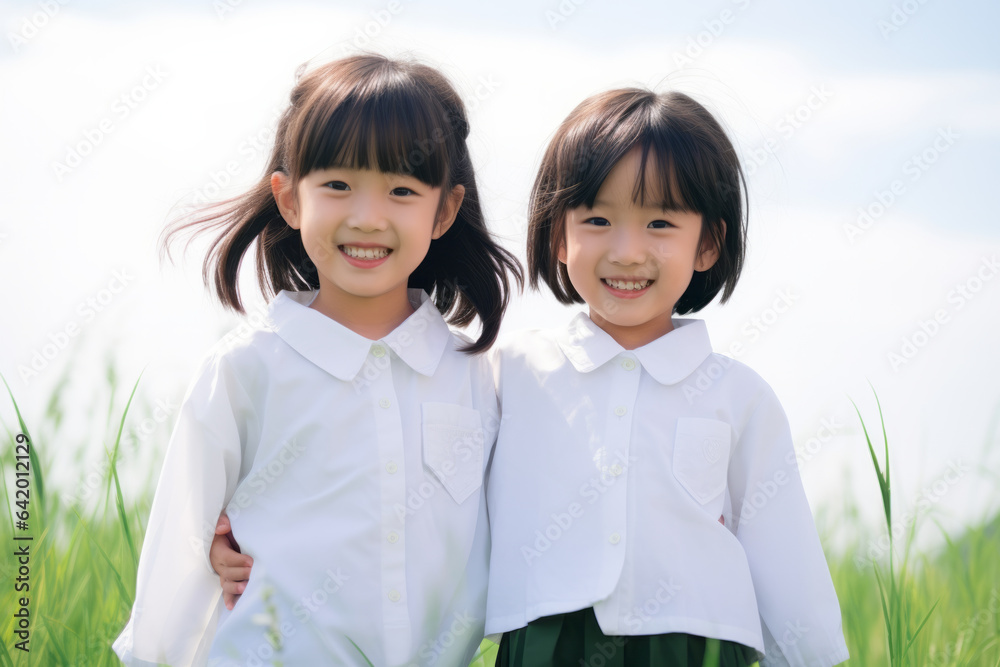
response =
{"points": [[627, 285], [365, 253]]}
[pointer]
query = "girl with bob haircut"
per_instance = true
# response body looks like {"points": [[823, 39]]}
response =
{"points": [[645, 502], [352, 414]]}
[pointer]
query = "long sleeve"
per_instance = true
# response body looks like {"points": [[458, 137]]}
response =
{"points": [[798, 605], [178, 596]]}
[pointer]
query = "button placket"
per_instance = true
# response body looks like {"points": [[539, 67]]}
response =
{"points": [[391, 452], [625, 379]]}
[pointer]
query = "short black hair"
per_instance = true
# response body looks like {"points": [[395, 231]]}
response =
{"points": [[693, 156]]}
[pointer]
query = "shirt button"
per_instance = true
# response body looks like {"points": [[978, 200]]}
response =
{"points": [[616, 470], [621, 410], [615, 538], [628, 364], [393, 537], [378, 351], [394, 595], [384, 402], [391, 467]]}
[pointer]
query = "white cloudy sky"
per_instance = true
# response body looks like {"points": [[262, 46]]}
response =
{"points": [[831, 107]]}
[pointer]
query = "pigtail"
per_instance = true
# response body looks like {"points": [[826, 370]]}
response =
{"points": [[365, 112], [281, 260], [466, 271]]}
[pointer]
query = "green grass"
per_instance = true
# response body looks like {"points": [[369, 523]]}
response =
{"points": [[939, 608]]}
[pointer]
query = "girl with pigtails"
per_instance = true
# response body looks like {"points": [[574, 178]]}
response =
{"points": [[350, 402]]}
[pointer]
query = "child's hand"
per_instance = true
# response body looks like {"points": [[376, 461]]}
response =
{"points": [[232, 567]]}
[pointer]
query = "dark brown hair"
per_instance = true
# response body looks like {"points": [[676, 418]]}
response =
{"points": [[692, 156], [366, 112]]}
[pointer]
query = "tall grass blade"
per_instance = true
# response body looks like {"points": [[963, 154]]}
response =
{"points": [[883, 480], [7, 661], [6, 494], [885, 614], [111, 566], [119, 501], [711, 658], [919, 628], [360, 652], [36, 468], [486, 647], [888, 471]]}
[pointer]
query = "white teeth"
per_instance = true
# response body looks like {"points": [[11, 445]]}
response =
{"points": [[365, 253], [628, 285]]}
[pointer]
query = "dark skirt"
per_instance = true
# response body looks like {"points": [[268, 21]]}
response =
{"points": [[575, 640]]}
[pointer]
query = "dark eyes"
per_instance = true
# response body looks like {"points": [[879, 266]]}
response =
{"points": [[603, 222], [341, 186]]}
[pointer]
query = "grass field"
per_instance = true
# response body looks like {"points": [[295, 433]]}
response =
{"points": [[939, 608]]}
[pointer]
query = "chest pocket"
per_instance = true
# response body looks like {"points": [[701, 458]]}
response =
{"points": [[701, 459], [453, 447]]}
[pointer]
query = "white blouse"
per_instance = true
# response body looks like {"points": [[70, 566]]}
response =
{"points": [[352, 471], [611, 471]]}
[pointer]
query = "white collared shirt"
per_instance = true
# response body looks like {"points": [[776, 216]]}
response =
{"points": [[611, 470], [352, 471]]}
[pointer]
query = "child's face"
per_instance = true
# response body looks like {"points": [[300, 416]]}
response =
{"points": [[366, 231], [631, 264]]}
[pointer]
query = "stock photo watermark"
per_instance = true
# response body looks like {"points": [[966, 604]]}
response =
{"points": [[33, 24], [927, 329], [254, 144], [460, 473], [364, 35], [984, 619], [899, 16], [561, 12], [714, 28], [121, 108], [644, 612], [930, 495], [562, 522], [787, 126], [131, 441], [751, 330], [86, 312], [21, 571], [828, 429], [258, 481], [914, 168], [457, 632]]}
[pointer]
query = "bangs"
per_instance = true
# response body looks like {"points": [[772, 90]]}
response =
{"points": [[674, 174], [388, 125], [659, 183]]}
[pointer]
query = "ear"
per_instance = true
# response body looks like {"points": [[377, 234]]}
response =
{"points": [[708, 255], [284, 197], [449, 211]]}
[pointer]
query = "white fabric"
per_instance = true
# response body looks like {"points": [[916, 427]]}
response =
{"points": [[352, 472], [611, 470]]}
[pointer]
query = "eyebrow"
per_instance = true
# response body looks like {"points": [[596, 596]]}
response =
{"points": [[658, 209]]}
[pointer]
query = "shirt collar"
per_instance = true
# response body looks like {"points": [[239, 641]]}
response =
{"points": [[669, 359], [420, 340]]}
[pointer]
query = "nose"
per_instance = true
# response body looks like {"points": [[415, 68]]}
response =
{"points": [[628, 246], [367, 214]]}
